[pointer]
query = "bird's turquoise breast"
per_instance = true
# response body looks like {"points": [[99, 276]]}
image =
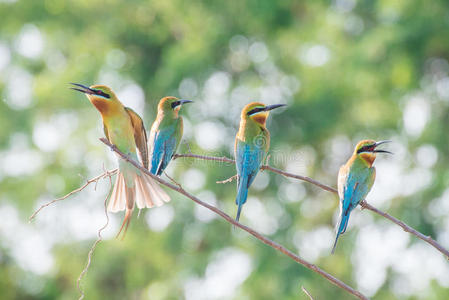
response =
{"points": [[359, 182]]}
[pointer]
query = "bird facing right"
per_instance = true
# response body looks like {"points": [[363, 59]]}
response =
{"points": [[251, 146], [355, 180], [166, 133]]}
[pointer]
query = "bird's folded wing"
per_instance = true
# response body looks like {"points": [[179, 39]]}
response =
{"points": [[140, 135], [357, 187], [248, 160], [163, 148]]}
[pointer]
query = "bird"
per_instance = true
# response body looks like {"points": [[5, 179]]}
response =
{"points": [[125, 129], [355, 180], [251, 146], [165, 134]]}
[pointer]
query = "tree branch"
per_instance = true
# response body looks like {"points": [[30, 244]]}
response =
{"points": [[363, 204], [99, 237], [254, 233], [405, 227], [307, 293], [88, 182]]}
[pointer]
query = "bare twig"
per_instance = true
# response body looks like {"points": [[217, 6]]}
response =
{"points": [[406, 228], [363, 204], [99, 239], [264, 167], [254, 233], [299, 177], [204, 157], [306, 292], [172, 180], [230, 179], [88, 182]]}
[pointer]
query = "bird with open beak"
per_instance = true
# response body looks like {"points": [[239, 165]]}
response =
{"points": [[125, 129], [355, 180]]}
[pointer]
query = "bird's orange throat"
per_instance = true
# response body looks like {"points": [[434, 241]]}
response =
{"points": [[260, 118], [368, 158], [102, 105]]}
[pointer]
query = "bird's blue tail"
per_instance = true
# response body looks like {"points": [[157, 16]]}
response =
{"points": [[242, 194], [341, 227]]}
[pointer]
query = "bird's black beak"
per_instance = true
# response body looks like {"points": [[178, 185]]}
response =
{"points": [[381, 151], [180, 102], [83, 89], [271, 107]]}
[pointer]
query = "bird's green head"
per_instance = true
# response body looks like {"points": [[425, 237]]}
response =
{"points": [[171, 105], [367, 150], [258, 112]]}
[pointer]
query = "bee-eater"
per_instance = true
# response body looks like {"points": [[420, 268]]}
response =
{"points": [[355, 180], [124, 128], [166, 133], [251, 146]]}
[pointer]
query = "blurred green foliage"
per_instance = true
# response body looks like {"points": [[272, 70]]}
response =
{"points": [[347, 69]]}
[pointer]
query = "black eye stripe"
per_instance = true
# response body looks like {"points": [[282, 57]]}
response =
{"points": [[365, 148], [101, 93], [255, 110], [175, 103]]}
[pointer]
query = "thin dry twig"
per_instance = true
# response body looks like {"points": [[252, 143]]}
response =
{"points": [[264, 167], [172, 180], [230, 179], [204, 157], [406, 228], [88, 182], [306, 292], [363, 204], [99, 239], [254, 233]]}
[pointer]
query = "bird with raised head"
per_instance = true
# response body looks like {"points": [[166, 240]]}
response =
{"points": [[125, 129], [355, 180]]}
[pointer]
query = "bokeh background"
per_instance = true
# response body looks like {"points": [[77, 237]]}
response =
{"points": [[347, 70]]}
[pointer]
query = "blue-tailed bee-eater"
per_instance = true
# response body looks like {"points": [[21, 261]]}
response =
{"points": [[355, 180], [166, 133], [125, 129], [251, 146]]}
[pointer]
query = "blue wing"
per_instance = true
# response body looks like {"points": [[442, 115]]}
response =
{"points": [[356, 185], [248, 160], [163, 149]]}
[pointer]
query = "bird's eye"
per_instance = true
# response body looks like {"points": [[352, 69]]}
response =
{"points": [[103, 94], [366, 148], [174, 104]]}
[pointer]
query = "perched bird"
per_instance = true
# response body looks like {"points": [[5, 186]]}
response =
{"points": [[124, 128], [166, 133], [355, 180], [251, 146]]}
